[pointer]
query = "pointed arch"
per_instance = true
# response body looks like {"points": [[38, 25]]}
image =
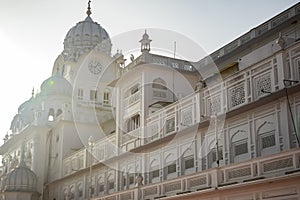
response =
{"points": [[266, 138], [239, 144]]}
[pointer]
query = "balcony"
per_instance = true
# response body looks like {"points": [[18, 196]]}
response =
{"points": [[74, 162], [259, 170], [173, 118], [244, 90], [131, 140], [132, 99], [79, 160], [95, 104]]}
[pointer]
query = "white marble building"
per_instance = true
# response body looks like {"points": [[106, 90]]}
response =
{"points": [[100, 129]]}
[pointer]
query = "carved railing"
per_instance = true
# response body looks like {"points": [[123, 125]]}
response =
{"points": [[259, 169]]}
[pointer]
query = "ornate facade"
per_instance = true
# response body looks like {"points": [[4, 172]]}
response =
{"points": [[161, 127]]}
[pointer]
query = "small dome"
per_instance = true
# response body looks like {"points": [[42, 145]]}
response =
{"points": [[145, 36], [27, 105], [83, 37], [56, 85], [20, 179]]}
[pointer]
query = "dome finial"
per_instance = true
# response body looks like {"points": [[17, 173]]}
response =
{"points": [[89, 12]]}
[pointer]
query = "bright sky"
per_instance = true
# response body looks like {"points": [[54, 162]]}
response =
{"points": [[32, 32]]}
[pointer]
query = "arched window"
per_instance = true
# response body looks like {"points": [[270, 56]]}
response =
{"points": [[93, 95], [170, 169], [188, 161], [80, 190], [124, 180], [110, 184], [100, 186], [266, 141], [51, 115], [106, 97], [154, 172], [66, 194], [133, 123], [72, 193], [134, 89], [80, 94], [131, 178], [212, 157], [159, 84], [239, 146]]}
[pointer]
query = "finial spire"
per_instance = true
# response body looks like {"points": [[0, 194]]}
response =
{"points": [[89, 12]]}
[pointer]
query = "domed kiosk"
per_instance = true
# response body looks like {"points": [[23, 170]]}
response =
{"points": [[20, 183], [56, 85]]}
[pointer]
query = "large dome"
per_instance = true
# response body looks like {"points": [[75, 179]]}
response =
{"points": [[20, 179], [83, 37], [56, 85]]}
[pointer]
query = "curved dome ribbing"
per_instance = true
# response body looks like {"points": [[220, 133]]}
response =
{"points": [[21, 179], [56, 85], [83, 37]]}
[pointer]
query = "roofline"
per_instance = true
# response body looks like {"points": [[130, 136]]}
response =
{"points": [[268, 27]]}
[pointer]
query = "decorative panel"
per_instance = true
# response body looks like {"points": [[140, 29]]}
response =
{"points": [[214, 105], [237, 95], [172, 186], [263, 84], [187, 117], [278, 164], [150, 191], [195, 182], [237, 173]]}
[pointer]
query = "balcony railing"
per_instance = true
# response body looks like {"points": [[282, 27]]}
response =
{"points": [[131, 140], [132, 99], [102, 150], [74, 162], [173, 118], [235, 91], [275, 165]]}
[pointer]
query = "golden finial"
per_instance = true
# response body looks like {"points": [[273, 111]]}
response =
{"points": [[89, 12]]}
